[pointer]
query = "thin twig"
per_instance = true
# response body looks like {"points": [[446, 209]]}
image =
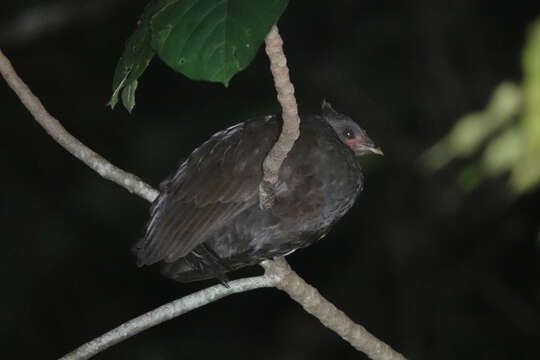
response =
{"points": [[291, 121], [167, 312], [53, 127]]}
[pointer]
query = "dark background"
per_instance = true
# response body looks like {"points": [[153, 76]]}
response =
{"points": [[436, 272]]}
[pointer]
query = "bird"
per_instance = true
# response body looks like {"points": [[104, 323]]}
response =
{"points": [[207, 221]]}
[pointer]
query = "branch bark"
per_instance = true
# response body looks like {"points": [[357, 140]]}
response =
{"points": [[277, 273], [53, 127], [291, 121], [167, 312], [327, 313]]}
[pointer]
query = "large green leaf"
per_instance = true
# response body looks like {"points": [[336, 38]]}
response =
{"points": [[203, 39], [212, 39]]}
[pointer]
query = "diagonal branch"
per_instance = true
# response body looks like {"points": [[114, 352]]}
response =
{"points": [[277, 274], [167, 312], [327, 313], [53, 127]]}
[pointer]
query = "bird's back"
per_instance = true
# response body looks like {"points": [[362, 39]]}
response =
{"points": [[207, 220]]}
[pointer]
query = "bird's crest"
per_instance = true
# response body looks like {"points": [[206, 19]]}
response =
{"points": [[327, 109]]}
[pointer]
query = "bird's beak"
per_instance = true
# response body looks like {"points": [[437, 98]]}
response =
{"points": [[361, 148], [375, 150]]}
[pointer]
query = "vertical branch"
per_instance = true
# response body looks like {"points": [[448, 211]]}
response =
{"points": [[291, 120], [300, 291]]}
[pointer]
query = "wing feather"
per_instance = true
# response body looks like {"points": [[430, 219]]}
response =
{"points": [[216, 183]]}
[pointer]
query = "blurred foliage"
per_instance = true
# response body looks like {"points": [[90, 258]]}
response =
{"points": [[502, 138], [209, 40], [526, 172]]}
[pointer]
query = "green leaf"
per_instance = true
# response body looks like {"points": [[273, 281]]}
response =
{"points": [[212, 40], [134, 60], [128, 95], [203, 39]]}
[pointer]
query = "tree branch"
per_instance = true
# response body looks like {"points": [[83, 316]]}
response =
{"points": [[329, 315], [167, 312], [277, 273], [53, 127], [291, 121]]}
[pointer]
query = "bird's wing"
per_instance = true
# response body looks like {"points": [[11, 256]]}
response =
{"points": [[215, 184]]}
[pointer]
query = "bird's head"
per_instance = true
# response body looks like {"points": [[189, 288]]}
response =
{"points": [[349, 132]]}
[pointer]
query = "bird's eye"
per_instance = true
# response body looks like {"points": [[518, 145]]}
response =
{"points": [[348, 134]]}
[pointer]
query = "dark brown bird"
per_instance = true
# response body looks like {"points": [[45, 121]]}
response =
{"points": [[207, 221]]}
